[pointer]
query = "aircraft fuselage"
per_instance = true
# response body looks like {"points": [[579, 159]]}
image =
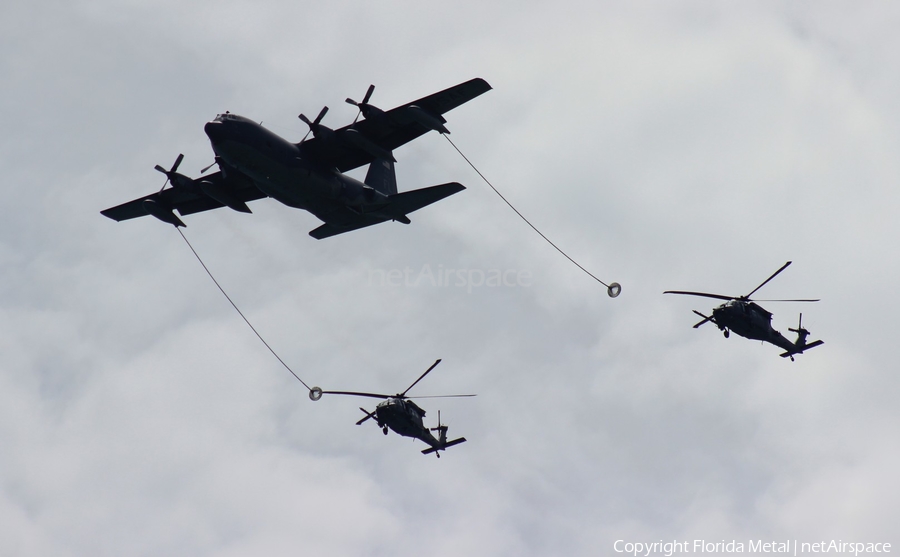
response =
{"points": [[749, 320], [404, 418], [279, 170]]}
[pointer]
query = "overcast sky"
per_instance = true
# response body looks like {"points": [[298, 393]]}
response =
{"points": [[664, 145]]}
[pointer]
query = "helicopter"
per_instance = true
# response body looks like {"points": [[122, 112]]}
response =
{"points": [[745, 317], [403, 416]]}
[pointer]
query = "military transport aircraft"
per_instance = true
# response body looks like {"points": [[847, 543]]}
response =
{"points": [[255, 163]]}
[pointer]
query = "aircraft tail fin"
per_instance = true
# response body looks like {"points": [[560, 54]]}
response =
{"points": [[382, 177]]}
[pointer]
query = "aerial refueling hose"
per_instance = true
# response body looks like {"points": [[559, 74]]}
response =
{"points": [[613, 288], [314, 393]]}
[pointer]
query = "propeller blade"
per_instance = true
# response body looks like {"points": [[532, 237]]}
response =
{"points": [[775, 274], [177, 162], [368, 94], [703, 294], [799, 326], [215, 162], [355, 393], [365, 100], [436, 362], [439, 426], [305, 120], [321, 115]]}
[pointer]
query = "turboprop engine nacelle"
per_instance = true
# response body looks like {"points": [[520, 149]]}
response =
{"points": [[161, 212]]}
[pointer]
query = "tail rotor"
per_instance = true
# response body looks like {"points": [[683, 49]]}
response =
{"points": [[442, 436], [801, 333], [800, 345], [441, 429]]}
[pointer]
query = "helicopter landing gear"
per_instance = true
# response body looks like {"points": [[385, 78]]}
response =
{"points": [[726, 333], [384, 430]]}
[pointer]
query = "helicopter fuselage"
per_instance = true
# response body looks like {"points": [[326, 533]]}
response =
{"points": [[404, 417], [749, 320]]}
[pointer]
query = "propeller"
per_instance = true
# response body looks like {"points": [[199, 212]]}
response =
{"points": [[801, 332], [315, 126], [364, 107], [171, 172], [440, 426]]}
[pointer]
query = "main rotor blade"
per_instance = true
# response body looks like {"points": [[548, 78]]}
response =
{"points": [[436, 362], [705, 319], [783, 267], [368, 415], [704, 294], [439, 396], [785, 300], [354, 393]]}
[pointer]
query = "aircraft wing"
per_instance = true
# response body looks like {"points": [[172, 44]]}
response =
{"points": [[190, 200], [391, 129]]}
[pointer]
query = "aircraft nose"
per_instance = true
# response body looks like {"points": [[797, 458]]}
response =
{"points": [[214, 130]]}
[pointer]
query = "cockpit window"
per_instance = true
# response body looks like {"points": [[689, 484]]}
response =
{"points": [[223, 117]]}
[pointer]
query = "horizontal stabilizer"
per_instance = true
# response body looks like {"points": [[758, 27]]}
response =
{"points": [[402, 204], [329, 230], [398, 206], [801, 349], [444, 446]]}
